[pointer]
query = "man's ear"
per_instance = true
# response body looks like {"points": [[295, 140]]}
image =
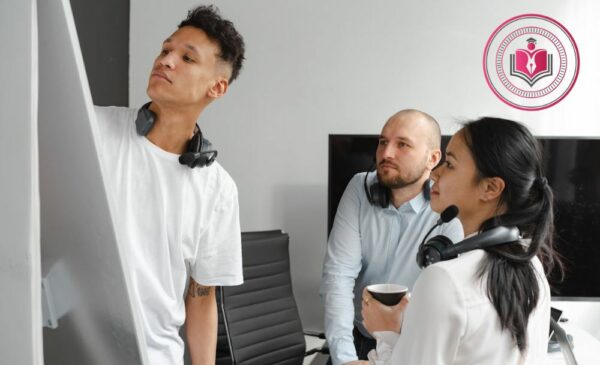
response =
{"points": [[434, 158], [219, 88], [492, 188]]}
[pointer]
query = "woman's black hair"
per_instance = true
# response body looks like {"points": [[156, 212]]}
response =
{"points": [[506, 149]]}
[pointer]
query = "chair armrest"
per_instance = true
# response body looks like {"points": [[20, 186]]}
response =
{"points": [[318, 343]]}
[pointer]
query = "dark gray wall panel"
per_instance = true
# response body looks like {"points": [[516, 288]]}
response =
{"points": [[103, 30]]}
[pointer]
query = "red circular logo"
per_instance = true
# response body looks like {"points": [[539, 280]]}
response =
{"points": [[531, 62]]}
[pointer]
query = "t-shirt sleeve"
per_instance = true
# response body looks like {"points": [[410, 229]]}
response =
{"points": [[111, 121], [219, 257], [434, 322], [110, 126]]}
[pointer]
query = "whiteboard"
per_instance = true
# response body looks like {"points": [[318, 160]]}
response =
{"points": [[84, 271]]}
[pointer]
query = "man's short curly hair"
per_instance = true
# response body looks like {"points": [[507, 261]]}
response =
{"points": [[231, 43]]}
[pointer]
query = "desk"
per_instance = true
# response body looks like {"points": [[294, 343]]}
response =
{"points": [[586, 348]]}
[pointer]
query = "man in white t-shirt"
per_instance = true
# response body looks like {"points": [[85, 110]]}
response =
{"points": [[179, 225]]}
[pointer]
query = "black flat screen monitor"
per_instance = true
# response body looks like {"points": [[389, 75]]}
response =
{"points": [[572, 166]]}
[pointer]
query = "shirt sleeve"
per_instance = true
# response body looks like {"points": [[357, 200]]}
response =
{"points": [[110, 122], [386, 340], [219, 257], [340, 269], [434, 323]]}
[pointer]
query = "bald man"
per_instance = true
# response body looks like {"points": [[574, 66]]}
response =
{"points": [[379, 224]]}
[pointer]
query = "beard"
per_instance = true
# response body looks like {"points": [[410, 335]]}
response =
{"points": [[397, 179]]}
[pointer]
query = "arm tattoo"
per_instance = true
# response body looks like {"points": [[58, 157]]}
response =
{"points": [[197, 290]]}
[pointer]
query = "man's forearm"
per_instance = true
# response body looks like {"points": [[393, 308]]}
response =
{"points": [[201, 323], [337, 296]]}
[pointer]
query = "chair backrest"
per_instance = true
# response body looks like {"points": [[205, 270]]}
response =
{"points": [[258, 320]]}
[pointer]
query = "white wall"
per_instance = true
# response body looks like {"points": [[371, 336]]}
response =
{"points": [[20, 282], [320, 67]]}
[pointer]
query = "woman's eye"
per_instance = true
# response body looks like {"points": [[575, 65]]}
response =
{"points": [[187, 59]]}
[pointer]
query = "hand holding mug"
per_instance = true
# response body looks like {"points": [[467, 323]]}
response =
{"points": [[380, 317]]}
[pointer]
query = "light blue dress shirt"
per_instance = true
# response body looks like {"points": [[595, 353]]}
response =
{"points": [[369, 245]]}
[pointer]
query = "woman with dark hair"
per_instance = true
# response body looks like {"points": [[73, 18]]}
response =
{"points": [[487, 306]]}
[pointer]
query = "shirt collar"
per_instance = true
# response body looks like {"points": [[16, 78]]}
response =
{"points": [[412, 206], [418, 202]]}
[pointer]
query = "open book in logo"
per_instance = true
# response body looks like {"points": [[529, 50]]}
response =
{"points": [[531, 64]]}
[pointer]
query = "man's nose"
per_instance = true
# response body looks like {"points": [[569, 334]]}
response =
{"points": [[387, 152], [167, 61]]}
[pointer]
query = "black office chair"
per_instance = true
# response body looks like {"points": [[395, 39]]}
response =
{"points": [[259, 321]]}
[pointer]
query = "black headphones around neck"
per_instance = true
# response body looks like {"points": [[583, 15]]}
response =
{"points": [[199, 152], [441, 248], [379, 195]]}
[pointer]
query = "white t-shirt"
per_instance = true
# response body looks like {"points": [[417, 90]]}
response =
{"points": [[450, 320], [174, 222]]}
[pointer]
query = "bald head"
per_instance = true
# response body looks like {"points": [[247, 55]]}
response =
{"points": [[428, 126], [408, 149]]}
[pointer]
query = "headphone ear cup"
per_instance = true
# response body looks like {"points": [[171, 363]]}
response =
{"points": [[199, 153], [145, 120], [385, 196], [198, 159], [380, 195], [202, 160], [433, 251], [205, 145], [196, 143], [374, 193], [427, 189]]}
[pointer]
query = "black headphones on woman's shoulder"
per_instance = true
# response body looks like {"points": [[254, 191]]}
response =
{"points": [[441, 248], [199, 152]]}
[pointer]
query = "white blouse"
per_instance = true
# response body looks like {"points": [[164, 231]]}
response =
{"points": [[450, 320]]}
